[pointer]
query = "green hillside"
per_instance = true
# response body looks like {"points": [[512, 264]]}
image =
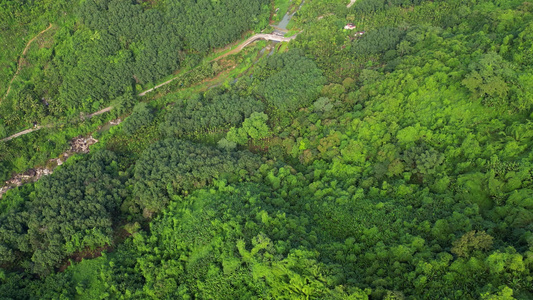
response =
{"points": [[391, 161]]}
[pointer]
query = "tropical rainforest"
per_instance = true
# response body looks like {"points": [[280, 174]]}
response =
{"points": [[391, 161]]}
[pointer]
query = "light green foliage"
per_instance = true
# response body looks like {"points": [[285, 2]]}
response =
{"points": [[226, 145], [237, 136], [254, 127], [397, 165], [408, 135], [472, 241], [489, 78], [230, 242], [505, 293], [323, 104]]}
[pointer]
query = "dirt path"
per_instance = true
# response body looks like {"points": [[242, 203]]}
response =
{"points": [[352, 2], [20, 133], [157, 86], [99, 112], [22, 57], [38, 127], [268, 37], [35, 174]]}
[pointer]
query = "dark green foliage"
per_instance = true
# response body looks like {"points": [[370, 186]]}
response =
{"points": [[210, 111], [145, 37], [423, 161], [370, 6], [407, 174], [67, 212], [491, 79], [378, 41], [151, 43], [142, 115], [106, 47], [87, 77], [176, 167], [254, 127], [207, 24], [289, 81], [124, 103]]}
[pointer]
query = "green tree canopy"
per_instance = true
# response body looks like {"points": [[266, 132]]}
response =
{"points": [[176, 167]]}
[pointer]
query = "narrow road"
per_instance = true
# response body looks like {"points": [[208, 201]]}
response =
{"points": [[157, 86], [261, 36], [268, 37], [99, 112], [21, 133], [22, 57], [352, 2], [38, 127]]}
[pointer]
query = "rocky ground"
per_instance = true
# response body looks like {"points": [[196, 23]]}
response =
{"points": [[77, 145]]}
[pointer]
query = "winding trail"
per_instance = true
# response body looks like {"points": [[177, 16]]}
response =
{"points": [[268, 37], [38, 127], [99, 112], [157, 86], [21, 133], [261, 36], [352, 2], [22, 57]]}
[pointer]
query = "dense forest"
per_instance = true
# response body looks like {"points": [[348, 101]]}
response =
{"points": [[102, 49], [101, 53], [391, 161]]}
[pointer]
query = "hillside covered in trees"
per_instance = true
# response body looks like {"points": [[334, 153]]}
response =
{"points": [[100, 50], [391, 161]]}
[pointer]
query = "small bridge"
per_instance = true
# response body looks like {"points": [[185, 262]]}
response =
{"points": [[268, 37], [261, 36]]}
